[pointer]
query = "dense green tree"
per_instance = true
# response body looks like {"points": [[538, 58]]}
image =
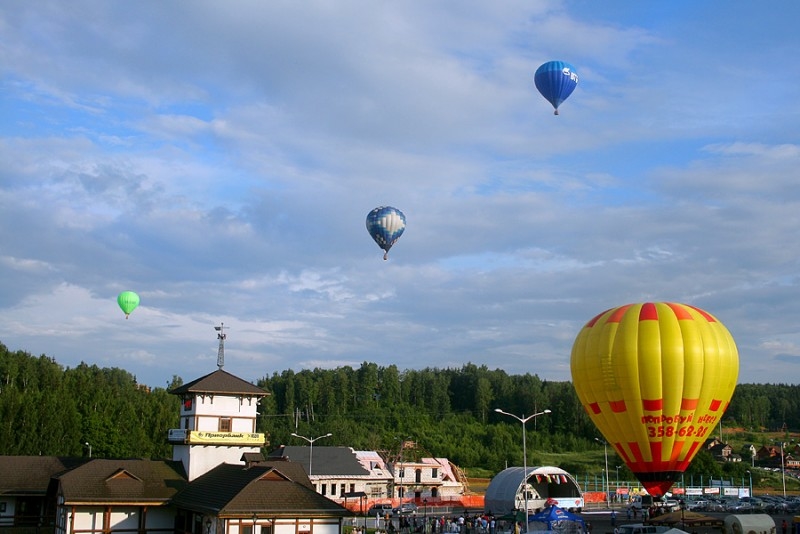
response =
{"points": [[46, 409]]}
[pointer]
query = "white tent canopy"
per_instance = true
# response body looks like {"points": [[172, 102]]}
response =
{"points": [[505, 492]]}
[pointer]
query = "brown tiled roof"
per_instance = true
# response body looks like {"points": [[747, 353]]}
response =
{"points": [[30, 475], [123, 481], [220, 382], [265, 489]]}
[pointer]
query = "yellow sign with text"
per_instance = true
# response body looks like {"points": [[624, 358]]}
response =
{"points": [[200, 437]]}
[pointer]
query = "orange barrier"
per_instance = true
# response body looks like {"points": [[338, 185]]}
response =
{"points": [[592, 497], [473, 502]]}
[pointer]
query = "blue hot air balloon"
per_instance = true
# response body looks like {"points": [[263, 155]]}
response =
{"points": [[386, 224], [556, 80]]}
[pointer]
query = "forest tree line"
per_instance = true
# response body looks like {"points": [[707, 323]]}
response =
{"points": [[46, 409]]}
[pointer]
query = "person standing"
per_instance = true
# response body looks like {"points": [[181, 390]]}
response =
{"points": [[613, 518]]}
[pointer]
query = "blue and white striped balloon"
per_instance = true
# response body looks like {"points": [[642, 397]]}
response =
{"points": [[386, 224]]}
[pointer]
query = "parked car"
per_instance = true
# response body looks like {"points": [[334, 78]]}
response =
{"points": [[639, 528], [380, 509], [698, 506], [405, 508]]}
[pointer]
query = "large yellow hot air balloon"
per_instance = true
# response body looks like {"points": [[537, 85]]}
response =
{"points": [[655, 378]]}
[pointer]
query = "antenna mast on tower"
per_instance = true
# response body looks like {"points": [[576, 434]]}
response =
{"points": [[221, 335]]}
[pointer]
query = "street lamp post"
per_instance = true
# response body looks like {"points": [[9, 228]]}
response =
{"points": [[749, 474], [311, 445], [783, 472], [618, 475], [682, 504], [605, 453], [522, 419], [90, 448], [401, 492]]}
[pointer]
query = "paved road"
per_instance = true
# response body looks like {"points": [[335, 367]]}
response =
{"points": [[601, 521]]}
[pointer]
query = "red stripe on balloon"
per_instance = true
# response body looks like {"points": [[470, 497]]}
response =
{"points": [[684, 465], [652, 405], [649, 312], [689, 404], [616, 316], [594, 319], [618, 406], [655, 451], [637, 452], [594, 407], [705, 314], [681, 313], [715, 404], [677, 447], [623, 453]]}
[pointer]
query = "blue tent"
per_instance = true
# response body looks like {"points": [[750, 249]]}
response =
{"points": [[556, 518]]}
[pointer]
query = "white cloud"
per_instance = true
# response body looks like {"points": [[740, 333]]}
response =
{"points": [[221, 161]]}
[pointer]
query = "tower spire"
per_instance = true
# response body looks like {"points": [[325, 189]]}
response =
{"points": [[221, 335]]}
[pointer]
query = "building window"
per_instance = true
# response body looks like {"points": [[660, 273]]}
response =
{"points": [[324, 488], [333, 489], [435, 474], [187, 404], [224, 424], [352, 488]]}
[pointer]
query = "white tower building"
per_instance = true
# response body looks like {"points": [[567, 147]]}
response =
{"points": [[218, 420]]}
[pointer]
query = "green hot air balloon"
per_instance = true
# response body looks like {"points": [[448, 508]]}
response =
{"points": [[128, 300]]}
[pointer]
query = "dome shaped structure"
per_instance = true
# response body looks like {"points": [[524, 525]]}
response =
{"points": [[505, 492]]}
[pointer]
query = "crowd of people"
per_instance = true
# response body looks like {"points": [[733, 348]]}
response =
{"points": [[460, 524]]}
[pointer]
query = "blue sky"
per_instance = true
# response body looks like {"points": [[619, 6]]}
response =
{"points": [[220, 159]]}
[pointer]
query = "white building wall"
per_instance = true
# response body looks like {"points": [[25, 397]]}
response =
{"points": [[124, 518], [225, 405], [120, 518], [207, 410], [290, 526], [88, 518], [200, 459], [211, 423]]}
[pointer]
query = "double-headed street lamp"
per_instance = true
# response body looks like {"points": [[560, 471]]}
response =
{"points": [[311, 450], [522, 419], [605, 453]]}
